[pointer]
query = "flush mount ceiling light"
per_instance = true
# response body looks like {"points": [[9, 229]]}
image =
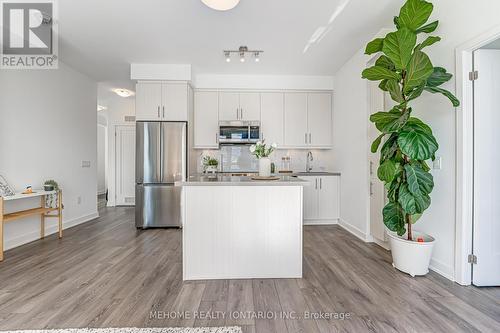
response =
{"points": [[241, 52], [123, 92], [221, 4]]}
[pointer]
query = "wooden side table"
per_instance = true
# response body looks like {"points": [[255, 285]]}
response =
{"points": [[42, 211]]}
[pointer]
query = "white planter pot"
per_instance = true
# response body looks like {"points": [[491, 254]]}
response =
{"points": [[211, 169], [265, 167], [411, 257]]}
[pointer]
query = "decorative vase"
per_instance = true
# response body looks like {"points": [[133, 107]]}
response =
{"points": [[265, 167], [211, 169], [411, 257]]}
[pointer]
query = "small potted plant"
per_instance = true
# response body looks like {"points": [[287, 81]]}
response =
{"points": [[405, 72], [210, 164], [262, 152], [51, 200]]}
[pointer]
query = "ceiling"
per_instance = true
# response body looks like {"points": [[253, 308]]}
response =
{"points": [[101, 38]]}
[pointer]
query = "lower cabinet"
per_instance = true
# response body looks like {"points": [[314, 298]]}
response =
{"points": [[321, 199]]}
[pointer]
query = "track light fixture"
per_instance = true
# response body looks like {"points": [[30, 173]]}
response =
{"points": [[242, 52]]}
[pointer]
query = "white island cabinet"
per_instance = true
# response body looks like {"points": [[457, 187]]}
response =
{"points": [[238, 228]]}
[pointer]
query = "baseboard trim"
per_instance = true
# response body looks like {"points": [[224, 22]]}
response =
{"points": [[381, 243], [442, 269], [35, 235], [321, 222], [353, 230]]}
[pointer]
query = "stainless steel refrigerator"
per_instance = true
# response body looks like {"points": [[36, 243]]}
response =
{"points": [[161, 160]]}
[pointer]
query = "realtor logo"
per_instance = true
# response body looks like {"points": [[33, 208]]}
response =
{"points": [[29, 34]]}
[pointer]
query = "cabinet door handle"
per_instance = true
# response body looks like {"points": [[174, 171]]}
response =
{"points": [[371, 189], [310, 138], [163, 111], [216, 138], [158, 111], [316, 185], [241, 113], [371, 168], [305, 138], [237, 113], [320, 183]]}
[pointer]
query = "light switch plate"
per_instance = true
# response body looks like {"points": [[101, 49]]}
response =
{"points": [[437, 163], [85, 164]]}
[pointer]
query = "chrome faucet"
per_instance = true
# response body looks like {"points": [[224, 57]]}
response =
{"points": [[309, 161]]}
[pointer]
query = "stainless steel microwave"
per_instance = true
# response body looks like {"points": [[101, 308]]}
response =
{"points": [[239, 132]]}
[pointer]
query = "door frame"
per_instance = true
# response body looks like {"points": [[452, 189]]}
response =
{"points": [[464, 153]]}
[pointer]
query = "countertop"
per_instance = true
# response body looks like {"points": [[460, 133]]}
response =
{"points": [[224, 180], [315, 173]]}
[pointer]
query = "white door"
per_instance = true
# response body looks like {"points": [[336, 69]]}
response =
{"points": [[329, 197], [249, 106], [311, 198], [319, 111], [148, 101], [206, 123], [175, 101], [486, 176], [229, 106], [377, 192], [296, 119], [125, 165], [272, 117]]}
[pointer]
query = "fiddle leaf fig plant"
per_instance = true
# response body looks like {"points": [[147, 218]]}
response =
{"points": [[407, 143]]}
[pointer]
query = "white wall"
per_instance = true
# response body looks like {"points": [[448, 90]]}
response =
{"points": [[47, 127], [456, 27], [215, 81]]}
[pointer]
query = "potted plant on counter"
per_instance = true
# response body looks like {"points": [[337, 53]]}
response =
{"points": [[405, 72], [210, 164], [262, 152]]}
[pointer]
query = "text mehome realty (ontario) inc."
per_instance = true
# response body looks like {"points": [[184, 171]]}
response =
{"points": [[234, 315]]}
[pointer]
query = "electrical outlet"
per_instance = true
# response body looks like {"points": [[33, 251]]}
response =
{"points": [[85, 164], [79, 200], [437, 163]]}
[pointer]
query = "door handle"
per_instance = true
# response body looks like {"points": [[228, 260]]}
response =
{"points": [[310, 138], [305, 138], [163, 111], [371, 189], [241, 113], [316, 185], [158, 111], [371, 168], [320, 183]]}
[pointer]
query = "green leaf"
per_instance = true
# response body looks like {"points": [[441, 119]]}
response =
{"points": [[396, 22], [438, 77], [395, 90], [376, 73], [376, 143], [428, 28], [416, 140], [428, 42], [389, 148], [387, 171], [411, 203], [420, 182], [384, 61], [416, 92], [415, 218], [394, 218], [446, 93], [398, 46], [415, 13], [419, 70], [374, 46], [389, 122], [383, 85]]}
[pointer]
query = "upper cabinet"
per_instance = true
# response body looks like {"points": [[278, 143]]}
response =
{"points": [[308, 120], [239, 106], [206, 123], [271, 124], [167, 101]]}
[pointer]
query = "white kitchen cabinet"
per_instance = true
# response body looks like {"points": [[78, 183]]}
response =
{"points": [[239, 106], [250, 106], [295, 120], [321, 199], [206, 122], [175, 101], [272, 105], [319, 119], [167, 101], [148, 101]]}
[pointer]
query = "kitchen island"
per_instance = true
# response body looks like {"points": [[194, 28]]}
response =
{"points": [[239, 228]]}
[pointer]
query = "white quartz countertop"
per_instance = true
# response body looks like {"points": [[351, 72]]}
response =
{"points": [[225, 180]]}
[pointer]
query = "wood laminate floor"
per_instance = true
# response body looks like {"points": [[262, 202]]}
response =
{"points": [[107, 274]]}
